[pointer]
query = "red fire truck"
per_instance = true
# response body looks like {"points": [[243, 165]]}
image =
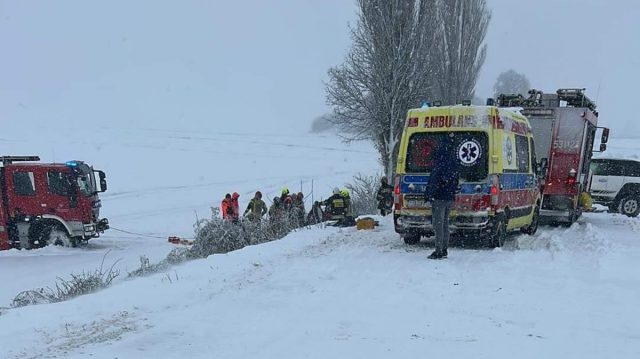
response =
{"points": [[564, 126], [49, 203]]}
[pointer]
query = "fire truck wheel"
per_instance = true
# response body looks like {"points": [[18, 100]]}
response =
{"points": [[499, 233], [533, 227], [630, 206], [411, 239], [60, 237]]}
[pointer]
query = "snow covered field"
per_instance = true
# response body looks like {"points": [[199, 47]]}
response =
{"points": [[318, 293]]}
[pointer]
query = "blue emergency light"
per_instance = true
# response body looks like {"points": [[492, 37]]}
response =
{"points": [[426, 104], [71, 163]]}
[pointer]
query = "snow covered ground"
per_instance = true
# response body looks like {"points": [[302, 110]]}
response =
{"points": [[318, 293], [329, 292], [161, 179]]}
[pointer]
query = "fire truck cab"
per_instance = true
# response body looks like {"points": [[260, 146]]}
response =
{"points": [[49, 203], [564, 126]]}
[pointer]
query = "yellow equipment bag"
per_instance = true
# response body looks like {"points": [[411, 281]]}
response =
{"points": [[365, 223], [585, 201]]}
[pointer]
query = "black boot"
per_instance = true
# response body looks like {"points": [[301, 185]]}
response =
{"points": [[444, 253], [436, 255]]}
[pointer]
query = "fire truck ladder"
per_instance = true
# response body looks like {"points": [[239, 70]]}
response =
{"points": [[6, 160], [576, 98], [517, 100], [573, 97]]}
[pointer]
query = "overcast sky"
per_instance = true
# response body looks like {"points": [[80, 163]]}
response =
{"points": [[230, 65]]}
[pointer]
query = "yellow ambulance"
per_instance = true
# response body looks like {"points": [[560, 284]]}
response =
{"points": [[498, 190]]}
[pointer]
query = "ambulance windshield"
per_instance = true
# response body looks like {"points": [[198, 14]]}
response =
{"points": [[468, 151]]}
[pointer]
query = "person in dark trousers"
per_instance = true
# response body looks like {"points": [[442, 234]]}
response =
{"points": [[441, 190], [385, 197]]}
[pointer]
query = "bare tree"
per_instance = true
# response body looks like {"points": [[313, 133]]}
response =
{"points": [[385, 73], [405, 52], [461, 28], [512, 83]]}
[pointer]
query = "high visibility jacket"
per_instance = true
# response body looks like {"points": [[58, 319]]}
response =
{"points": [[256, 208], [227, 209], [337, 205]]}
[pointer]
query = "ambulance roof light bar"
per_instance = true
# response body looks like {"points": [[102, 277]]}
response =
{"points": [[6, 160]]}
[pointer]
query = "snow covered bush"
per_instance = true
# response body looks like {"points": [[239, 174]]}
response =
{"points": [[218, 236], [65, 289], [176, 256], [363, 194]]}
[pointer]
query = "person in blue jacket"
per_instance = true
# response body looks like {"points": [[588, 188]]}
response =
{"points": [[441, 191]]}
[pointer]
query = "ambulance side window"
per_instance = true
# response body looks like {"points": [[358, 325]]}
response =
{"points": [[534, 160], [24, 184], [522, 153]]}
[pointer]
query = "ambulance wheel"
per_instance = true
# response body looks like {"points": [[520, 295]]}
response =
{"points": [[499, 232], [630, 206], [533, 227], [411, 239]]}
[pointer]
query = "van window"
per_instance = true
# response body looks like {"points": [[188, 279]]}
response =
{"points": [[522, 153], [59, 183], [469, 152], [632, 169], [24, 184], [607, 168], [598, 167]]}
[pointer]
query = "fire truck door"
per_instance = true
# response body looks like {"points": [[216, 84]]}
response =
{"points": [[60, 193], [543, 133]]}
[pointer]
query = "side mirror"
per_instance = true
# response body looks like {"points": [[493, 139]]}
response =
{"points": [[103, 181], [603, 147], [605, 137]]}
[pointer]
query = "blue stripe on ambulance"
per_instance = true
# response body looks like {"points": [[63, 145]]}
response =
{"points": [[508, 181], [516, 181]]}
